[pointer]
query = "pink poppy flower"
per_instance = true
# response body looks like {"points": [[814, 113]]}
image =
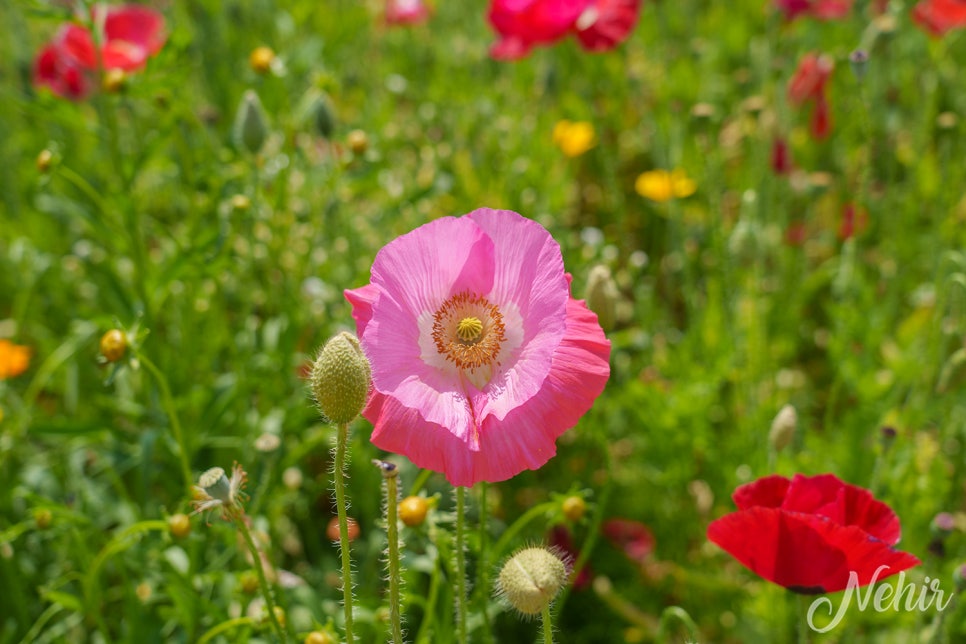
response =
{"points": [[131, 35], [406, 12], [820, 9], [599, 25], [607, 23], [940, 16], [480, 356]]}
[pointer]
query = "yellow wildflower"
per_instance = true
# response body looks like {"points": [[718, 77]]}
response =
{"points": [[14, 359], [261, 59], [661, 185], [574, 137]]}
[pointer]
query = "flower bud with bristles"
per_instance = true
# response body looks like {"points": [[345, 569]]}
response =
{"points": [[251, 124], [340, 379], [531, 578]]}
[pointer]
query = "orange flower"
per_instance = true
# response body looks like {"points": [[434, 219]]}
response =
{"points": [[14, 359]]}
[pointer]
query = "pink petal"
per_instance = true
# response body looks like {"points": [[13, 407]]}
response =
{"points": [[529, 275], [535, 21], [75, 43], [362, 300], [120, 54], [607, 23], [510, 48]]}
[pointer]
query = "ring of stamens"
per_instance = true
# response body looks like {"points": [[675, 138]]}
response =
{"points": [[468, 331]]}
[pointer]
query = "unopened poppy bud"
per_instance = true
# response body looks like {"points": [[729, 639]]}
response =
{"points": [[180, 525], [321, 115], [251, 124], [783, 428], [44, 160], [358, 141], [114, 80], [959, 578], [888, 436], [320, 637], [43, 518], [413, 510], [531, 578], [858, 60], [261, 59], [386, 468], [340, 378], [574, 508], [113, 345], [602, 296]]}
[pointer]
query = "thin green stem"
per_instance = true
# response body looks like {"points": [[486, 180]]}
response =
{"points": [[483, 581], [392, 530], [167, 401], [339, 479], [262, 580], [461, 566], [547, 624]]}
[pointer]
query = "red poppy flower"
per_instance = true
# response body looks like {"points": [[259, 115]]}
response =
{"points": [[406, 12], [809, 534], [820, 9], [939, 16], [855, 219], [632, 537], [131, 35], [810, 78], [781, 158]]}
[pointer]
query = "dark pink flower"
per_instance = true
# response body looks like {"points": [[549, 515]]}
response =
{"points": [[940, 16], [599, 25], [406, 12], [855, 219], [607, 23], [781, 158], [132, 34], [632, 537], [820, 9]]}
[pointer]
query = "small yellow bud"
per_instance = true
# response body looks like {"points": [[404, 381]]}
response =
{"points": [[279, 615], [574, 508], [261, 59], [783, 428], [144, 592], [248, 581], [320, 637], [340, 378], [413, 510], [44, 160], [358, 141], [114, 80], [241, 202], [531, 579], [180, 525], [43, 518], [113, 345]]}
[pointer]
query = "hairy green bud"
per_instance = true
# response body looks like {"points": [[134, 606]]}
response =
{"points": [[340, 378]]}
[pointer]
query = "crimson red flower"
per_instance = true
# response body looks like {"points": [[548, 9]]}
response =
{"points": [[809, 534], [599, 25], [632, 537], [131, 34], [939, 16], [781, 158], [855, 219], [808, 85], [820, 9]]}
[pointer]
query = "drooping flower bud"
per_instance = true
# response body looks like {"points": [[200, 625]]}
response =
{"points": [[602, 296], [340, 378], [358, 141], [531, 578], [251, 124], [574, 508], [783, 428], [319, 113], [113, 345], [413, 510]]}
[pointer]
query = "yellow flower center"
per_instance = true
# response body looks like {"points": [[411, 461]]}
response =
{"points": [[468, 331]]}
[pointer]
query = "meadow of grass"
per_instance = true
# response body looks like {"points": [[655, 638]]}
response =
{"points": [[225, 268]]}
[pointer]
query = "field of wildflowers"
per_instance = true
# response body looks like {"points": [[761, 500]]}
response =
{"points": [[578, 321]]}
